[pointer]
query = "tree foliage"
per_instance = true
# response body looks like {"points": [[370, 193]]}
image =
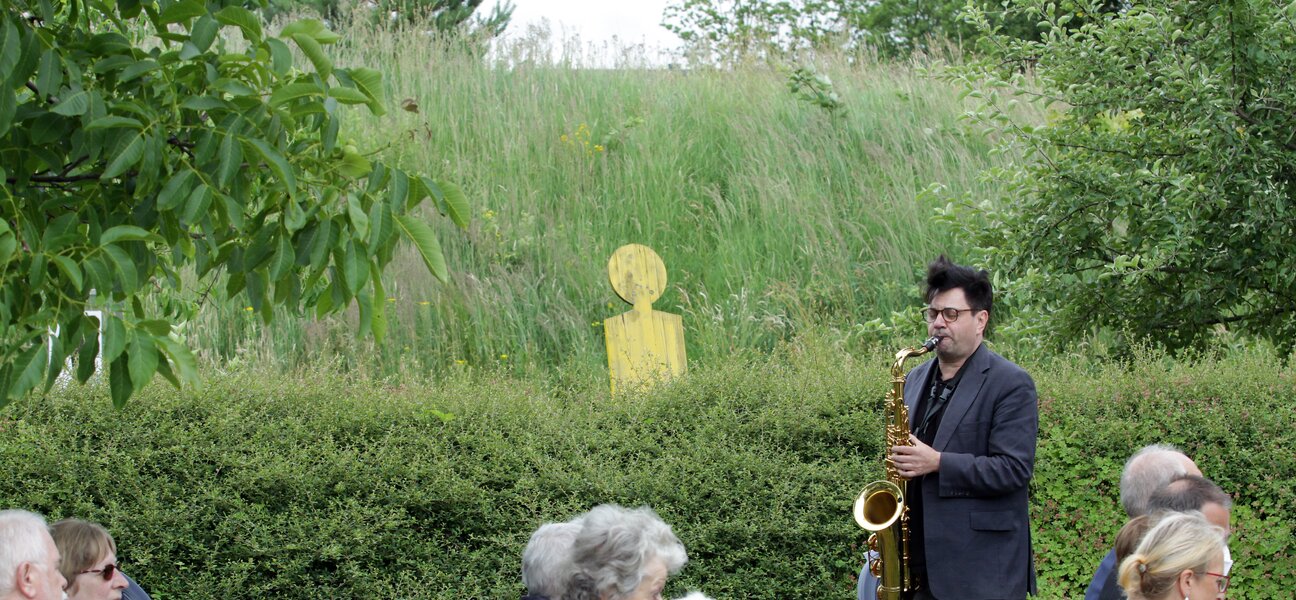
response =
{"points": [[153, 149], [442, 16], [1159, 194], [723, 31]]}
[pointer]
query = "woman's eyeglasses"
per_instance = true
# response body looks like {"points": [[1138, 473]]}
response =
{"points": [[1221, 581], [106, 572]]}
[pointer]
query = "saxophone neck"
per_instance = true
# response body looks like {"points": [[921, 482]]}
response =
{"points": [[897, 368]]}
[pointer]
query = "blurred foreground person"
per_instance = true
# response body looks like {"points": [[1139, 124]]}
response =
{"points": [[1181, 556], [89, 560], [29, 560], [546, 561], [1147, 471], [623, 554]]}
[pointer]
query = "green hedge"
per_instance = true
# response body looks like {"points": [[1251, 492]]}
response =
{"points": [[314, 486]]}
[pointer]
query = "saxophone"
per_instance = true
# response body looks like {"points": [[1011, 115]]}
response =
{"points": [[881, 507]]}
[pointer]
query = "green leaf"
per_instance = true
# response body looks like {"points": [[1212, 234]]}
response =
{"points": [[456, 204], [127, 233], [278, 165], [181, 358], [312, 27], [426, 243], [70, 270], [86, 357], [203, 32], [10, 51], [113, 121], [8, 244], [196, 204], [347, 95], [142, 360], [293, 91], [183, 10], [126, 158], [231, 159], [378, 320], [119, 381], [281, 59], [354, 165], [315, 53], [50, 73], [355, 268], [74, 105], [284, 257], [126, 272], [175, 191], [114, 337], [359, 220], [203, 103], [369, 82], [8, 107], [380, 225], [156, 327], [29, 368], [242, 18]]}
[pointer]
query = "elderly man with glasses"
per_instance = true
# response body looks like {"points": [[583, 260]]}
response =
{"points": [[974, 420]]}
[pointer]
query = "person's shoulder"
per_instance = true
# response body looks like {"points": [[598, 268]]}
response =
{"points": [[1003, 367]]}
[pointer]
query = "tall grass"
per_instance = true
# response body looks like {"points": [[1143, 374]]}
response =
{"points": [[771, 214]]}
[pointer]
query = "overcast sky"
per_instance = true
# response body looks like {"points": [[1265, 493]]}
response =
{"points": [[596, 21]]}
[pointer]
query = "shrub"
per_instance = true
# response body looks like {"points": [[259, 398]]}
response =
{"points": [[315, 486]]}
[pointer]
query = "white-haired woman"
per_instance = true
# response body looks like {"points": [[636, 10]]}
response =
{"points": [[1181, 556], [623, 554]]}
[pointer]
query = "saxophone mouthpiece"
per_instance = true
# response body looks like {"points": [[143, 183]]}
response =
{"points": [[931, 343]]}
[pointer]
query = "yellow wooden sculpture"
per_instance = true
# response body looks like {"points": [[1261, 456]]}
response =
{"points": [[644, 346]]}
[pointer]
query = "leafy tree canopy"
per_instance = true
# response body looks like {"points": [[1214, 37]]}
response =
{"points": [[724, 31], [442, 16], [150, 149], [1159, 194]]}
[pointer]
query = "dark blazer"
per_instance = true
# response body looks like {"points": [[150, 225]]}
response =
{"points": [[976, 512]]}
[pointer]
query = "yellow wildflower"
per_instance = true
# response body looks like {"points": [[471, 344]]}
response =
{"points": [[598, 147], [503, 357], [391, 300], [249, 309], [460, 361], [424, 303]]}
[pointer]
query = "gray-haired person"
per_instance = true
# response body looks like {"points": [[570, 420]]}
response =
{"points": [[623, 554], [546, 561], [29, 560], [1147, 471]]}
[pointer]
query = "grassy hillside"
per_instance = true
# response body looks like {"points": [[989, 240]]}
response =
{"points": [[771, 214]]}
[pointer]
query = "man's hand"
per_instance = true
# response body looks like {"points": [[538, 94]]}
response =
{"points": [[913, 461]]}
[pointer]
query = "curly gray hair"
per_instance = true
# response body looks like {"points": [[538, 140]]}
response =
{"points": [[547, 558], [615, 546]]}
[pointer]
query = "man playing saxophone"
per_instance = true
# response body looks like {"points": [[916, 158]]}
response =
{"points": [[974, 421]]}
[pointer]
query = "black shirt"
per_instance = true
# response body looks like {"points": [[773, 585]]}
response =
{"points": [[927, 421]]}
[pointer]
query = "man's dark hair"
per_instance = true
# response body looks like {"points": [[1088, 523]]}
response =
{"points": [[1188, 492], [943, 275]]}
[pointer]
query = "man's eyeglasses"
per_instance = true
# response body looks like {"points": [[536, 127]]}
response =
{"points": [[106, 572], [1221, 581], [950, 313]]}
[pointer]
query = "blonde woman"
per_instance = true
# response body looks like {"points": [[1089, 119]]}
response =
{"points": [[1181, 556], [89, 560]]}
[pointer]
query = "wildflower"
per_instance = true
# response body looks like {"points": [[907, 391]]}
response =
{"points": [[564, 139], [424, 303], [598, 147], [488, 215], [503, 357], [249, 309], [460, 362], [391, 300], [596, 323]]}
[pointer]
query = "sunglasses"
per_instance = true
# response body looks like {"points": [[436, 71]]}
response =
{"points": [[106, 572]]}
